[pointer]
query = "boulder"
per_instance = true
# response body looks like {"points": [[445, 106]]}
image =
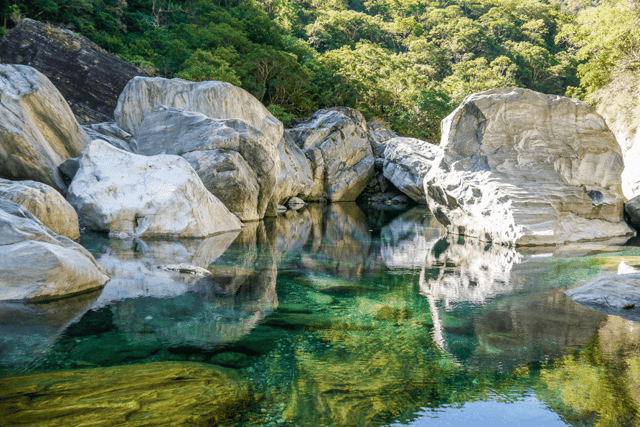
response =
{"points": [[632, 211], [296, 178], [132, 195], [378, 136], [37, 264], [38, 131], [110, 132], [406, 162], [45, 203], [233, 158], [89, 78], [524, 168], [618, 294], [338, 148], [217, 100]]}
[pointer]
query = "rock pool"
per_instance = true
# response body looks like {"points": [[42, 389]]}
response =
{"points": [[329, 317]]}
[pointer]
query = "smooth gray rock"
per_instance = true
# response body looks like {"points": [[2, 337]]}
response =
{"points": [[217, 100], [632, 209], [339, 151], [45, 203], [296, 178], [523, 168], [378, 136], [618, 294], [113, 134], [406, 162], [37, 264], [295, 203], [132, 195], [68, 169], [38, 131], [167, 130]]}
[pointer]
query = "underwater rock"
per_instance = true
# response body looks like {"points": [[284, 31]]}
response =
{"points": [[45, 203], [161, 393], [618, 294], [132, 195], [523, 168]]}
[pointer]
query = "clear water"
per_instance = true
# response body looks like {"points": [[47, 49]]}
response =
{"points": [[326, 317]]}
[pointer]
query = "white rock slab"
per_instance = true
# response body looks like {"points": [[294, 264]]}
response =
{"points": [[145, 196]]}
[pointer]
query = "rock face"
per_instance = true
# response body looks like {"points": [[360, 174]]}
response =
{"points": [[296, 178], [131, 195], [406, 162], [520, 167], [88, 77], [618, 294], [233, 158], [337, 145], [45, 203], [38, 131], [632, 209], [378, 136], [36, 264], [217, 100], [110, 132]]}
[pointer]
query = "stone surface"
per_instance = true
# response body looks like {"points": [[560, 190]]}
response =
{"points": [[160, 393], [406, 162], [295, 203], [217, 100], [45, 203], [37, 128], [132, 195], [233, 158], [618, 294], [339, 151], [38, 265], [378, 136], [110, 132], [632, 209], [520, 167], [296, 178], [89, 78]]}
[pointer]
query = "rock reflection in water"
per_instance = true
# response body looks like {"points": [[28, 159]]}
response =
{"points": [[27, 331], [408, 239]]}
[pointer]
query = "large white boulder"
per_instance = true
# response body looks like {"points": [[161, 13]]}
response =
{"points": [[38, 131], [45, 203], [37, 264], [214, 99], [133, 195], [245, 181], [296, 178], [337, 145], [406, 162], [524, 168]]}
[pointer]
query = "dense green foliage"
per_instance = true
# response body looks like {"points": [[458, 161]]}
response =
{"points": [[406, 62]]}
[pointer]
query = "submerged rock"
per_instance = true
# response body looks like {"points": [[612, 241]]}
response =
{"points": [[45, 203], [161, 393], [235, 160], [38, 131], [37, 264], [618, 294], [520, 167], [88, 77], [337, 145], [131, 195]]}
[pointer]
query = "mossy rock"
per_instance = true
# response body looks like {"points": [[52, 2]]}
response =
{"points": [[162, 393]]}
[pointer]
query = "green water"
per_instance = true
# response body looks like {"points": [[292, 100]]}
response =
{"points": [[326, 317]]}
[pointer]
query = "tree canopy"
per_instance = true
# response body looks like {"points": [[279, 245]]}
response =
{"points": [[406, 62]]}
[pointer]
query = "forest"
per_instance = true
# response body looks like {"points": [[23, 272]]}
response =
{"points": [[403, 63]]}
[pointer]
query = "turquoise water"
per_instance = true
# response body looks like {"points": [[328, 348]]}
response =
{"points": [[326, 317]]}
